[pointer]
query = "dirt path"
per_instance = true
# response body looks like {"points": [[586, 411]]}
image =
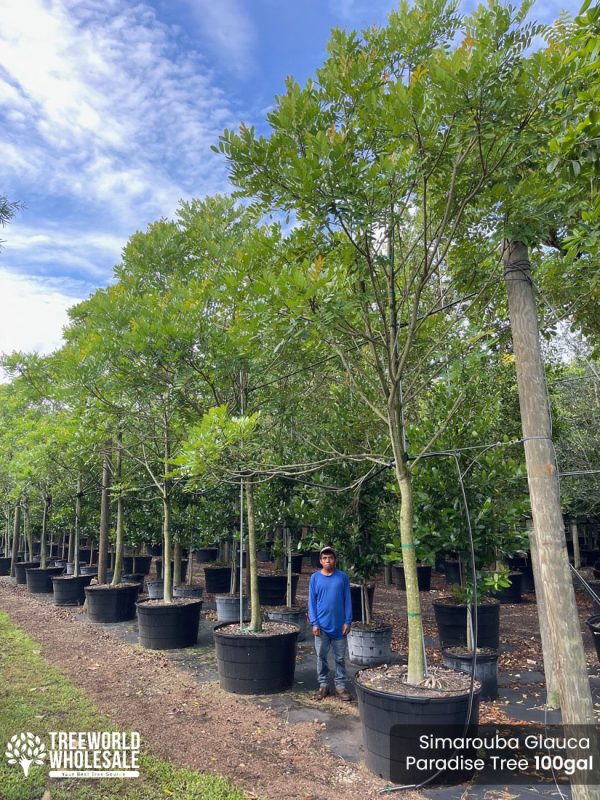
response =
{"points": [[189, 724]]}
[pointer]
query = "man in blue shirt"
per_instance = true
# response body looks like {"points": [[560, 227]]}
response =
{"points": [[330, 614]]}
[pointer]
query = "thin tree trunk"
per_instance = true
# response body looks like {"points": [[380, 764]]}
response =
{"points": [[549, 532], [77, 526], [416, 659], [104, 514], [118, 560], [15, 540], [177, 562], [255, 619], [167, 580], [45, 515], [552, 694], [575, 539]]}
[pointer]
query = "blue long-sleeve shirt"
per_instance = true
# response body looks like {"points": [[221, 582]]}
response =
{"points": [[329, 602]]}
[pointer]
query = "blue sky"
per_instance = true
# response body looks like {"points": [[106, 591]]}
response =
{"points": [[108, 109]]}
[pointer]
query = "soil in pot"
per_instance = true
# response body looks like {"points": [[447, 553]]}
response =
{"points": [[228, 608], [451, 621], [168, 626], [593, 624], [423, 577], [20, 570], [369, 644], [256, 663], [395, 715], [356, 595], [486, 667], [70, 590], [107, 603], [293, 615], [39, 581]]}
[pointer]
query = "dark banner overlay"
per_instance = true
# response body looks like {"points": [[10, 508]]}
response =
{"points": [[496, 754]]}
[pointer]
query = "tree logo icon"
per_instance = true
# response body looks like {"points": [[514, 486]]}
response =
{"points": [[25, 749]]}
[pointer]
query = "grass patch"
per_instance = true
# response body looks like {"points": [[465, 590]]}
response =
{"points": [[35, 697]]}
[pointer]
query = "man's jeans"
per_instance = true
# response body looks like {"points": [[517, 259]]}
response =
{"points": [[323, 644]]}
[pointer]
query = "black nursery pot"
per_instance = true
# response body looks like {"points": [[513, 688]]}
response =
{"points": [[296, 563], [142, 564], [70, 590], [451, 621], [159, 568], [205, 555], [392, 725], [39, 581], [272, 589], [452, 572], [217, 580], [512, 593], [20, 570], [5, 565], [255, 663], [423, 577], [168, 626], [486, 669], [355, 596], [111, 603]]}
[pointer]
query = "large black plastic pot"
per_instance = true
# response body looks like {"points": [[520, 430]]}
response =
{"points": [[512, 593], [217, 580], [228, 608], [142, 564], [423, 577], [5, 565], [486, 668], [452, 572], [451, 621], [355, 596], [111, 603], [296, 563], [167, 626], [204, 555], [159, 568], [70, 590], [393, 723], [593, 624], [315, 559], [255, 663], [20, 570], [272, 589], [39, 581], [155, 549]]}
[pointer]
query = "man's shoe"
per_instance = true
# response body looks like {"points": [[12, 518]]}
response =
{"points": [[322, 693], [344, 694]]}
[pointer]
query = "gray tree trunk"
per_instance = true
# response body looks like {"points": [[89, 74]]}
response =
{"points": [[15, 539], [551, 564], [104, 516]]}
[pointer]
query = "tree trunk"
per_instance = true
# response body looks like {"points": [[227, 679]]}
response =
{"points": [[551, 563], [15, 541], [118, 562], [177, 562], [552, 694], [45, 515], [167, 577], [416, 658], [104, 515], [255, 620], [77, 526], [27, 528]]}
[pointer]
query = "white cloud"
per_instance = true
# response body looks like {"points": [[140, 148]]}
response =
{"points": [[32, 314], [228, 26]]}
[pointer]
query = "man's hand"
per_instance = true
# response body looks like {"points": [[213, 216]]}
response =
{"points": [[345, 630], [316, 630]]}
